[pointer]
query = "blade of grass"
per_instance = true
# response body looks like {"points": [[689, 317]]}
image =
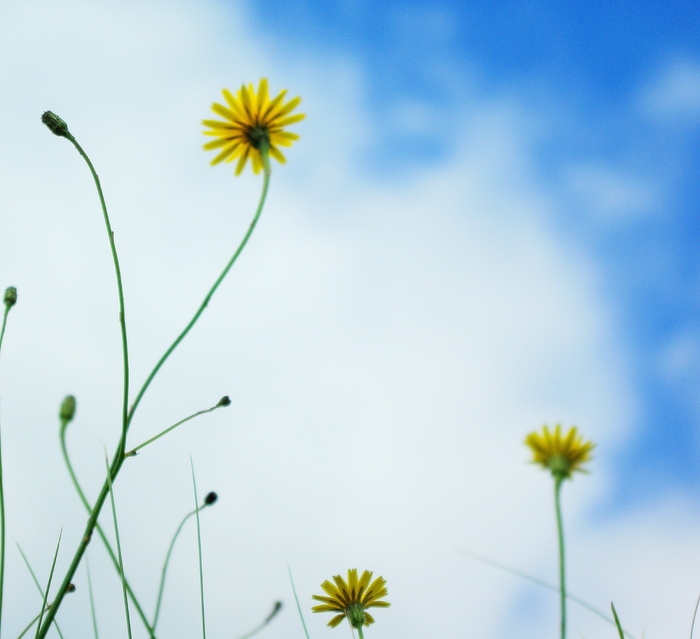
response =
{"points": [[294, 590], [544, 584], [92, 599], [39, 588], [119, 547], [199, 550], [617, 621], [48, 585]]}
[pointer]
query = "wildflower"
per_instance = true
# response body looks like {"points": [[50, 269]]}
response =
{"points": [[562, 455], [253, 127], [351, 598]]}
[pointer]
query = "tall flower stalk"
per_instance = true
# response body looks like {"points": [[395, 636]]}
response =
{"points": [[561, 456], [254, 129]]}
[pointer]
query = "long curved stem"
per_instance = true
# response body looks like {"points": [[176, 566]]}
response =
{"points": [[2, 494], [127, 415], [118, 459], [203, 305]]}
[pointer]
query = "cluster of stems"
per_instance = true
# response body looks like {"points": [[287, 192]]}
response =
{"points": [[120, 455]]}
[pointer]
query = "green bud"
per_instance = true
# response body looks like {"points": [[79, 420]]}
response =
{"points": [[56, 125], [211, 498], [67, 409], [10, 296], [224, 401]]}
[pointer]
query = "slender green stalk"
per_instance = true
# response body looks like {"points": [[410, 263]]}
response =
{"points": [[118, 459], [150, 629], [127, 416], [39, 588], [199, 550], [2, 493], [161, 587], [203, 305], [48, 585], [617, 621], [119, 548], [562, 566], [360, 633], [301, 614], [93, 612], [174, 426]]}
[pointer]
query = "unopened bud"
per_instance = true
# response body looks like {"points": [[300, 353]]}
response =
{"points": [[10, 298], [71, 588], [56, 125], [67, 409], [224, 401], [210, 499]]}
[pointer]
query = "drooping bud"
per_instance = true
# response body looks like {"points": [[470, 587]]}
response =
{"points": [[10, 298], [224, 401], [55, 124], [67, 409], [210, 498]]}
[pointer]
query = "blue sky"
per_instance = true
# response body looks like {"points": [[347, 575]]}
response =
{"points": [[488, 224], [587, 62]]}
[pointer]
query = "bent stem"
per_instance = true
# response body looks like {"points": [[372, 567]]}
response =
{"points": [[562, 572], [205, 302], [118, 459]]}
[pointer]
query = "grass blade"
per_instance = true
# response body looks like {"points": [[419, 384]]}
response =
{"points": [[199, 551], [294, 590]]}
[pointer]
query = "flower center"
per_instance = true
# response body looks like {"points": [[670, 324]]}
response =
{"points": [[258, 137]]}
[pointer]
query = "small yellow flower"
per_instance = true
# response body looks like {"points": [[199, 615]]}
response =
{"points": [[352, 598], [561, 455], [253, 124]]}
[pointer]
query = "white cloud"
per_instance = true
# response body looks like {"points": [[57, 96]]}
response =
{"points": [[386, 346], [674, 94]]}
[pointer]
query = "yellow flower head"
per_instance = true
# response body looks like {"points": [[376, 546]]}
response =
{"points": [[562, 455], [351, 598], [253, 125]]}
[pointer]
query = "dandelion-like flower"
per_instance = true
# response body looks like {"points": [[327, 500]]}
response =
{"points": [[352, 598], [253, 127], [561, 455]]}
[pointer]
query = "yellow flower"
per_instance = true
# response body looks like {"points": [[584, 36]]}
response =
{"points": [[253, 124], [352, 598], [562, 455]]}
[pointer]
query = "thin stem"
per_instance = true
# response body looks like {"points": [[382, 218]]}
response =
{"points": [[167, 562], [92, 600], [360, 633], [562, 566], [199, 550], [2, 494], [118, 459], [150, 629], [296, 599], [203, 305], [119, 548], [174, 426]]}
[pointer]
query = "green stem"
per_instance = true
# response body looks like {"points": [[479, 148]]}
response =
{"points": [[199, 551], [150, 629], [118, 459], [2, 494], [359, 632], [562, 565], [167, 430], [203, 305]]}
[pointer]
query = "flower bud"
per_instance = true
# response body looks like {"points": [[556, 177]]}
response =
{"points": [[10, 296], [56, 125], [224, 401], [210, 498], [67, 409]]}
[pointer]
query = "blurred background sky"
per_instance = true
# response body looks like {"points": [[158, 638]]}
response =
{"points": [[489, 224]]}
